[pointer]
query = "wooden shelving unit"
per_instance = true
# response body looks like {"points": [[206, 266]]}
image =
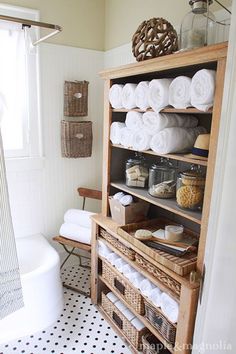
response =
{"points": [[190, 110]]}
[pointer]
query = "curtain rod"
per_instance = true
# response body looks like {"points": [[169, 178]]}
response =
{"points": [[30, 23]]}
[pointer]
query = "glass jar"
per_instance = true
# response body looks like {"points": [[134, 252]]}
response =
{"points": [[136, 172], [190, 189], [162, 180]]}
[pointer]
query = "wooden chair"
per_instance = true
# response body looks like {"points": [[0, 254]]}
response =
{"points": [[72, 244]]}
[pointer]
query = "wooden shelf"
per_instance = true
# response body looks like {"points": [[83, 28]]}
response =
{"points": [[177, 157], [191, 110], [167, 204]]}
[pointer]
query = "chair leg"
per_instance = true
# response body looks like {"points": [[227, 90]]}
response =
{"points": [[69, 254]]}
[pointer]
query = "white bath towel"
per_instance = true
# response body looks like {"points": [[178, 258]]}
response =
{"points": [[155, 296], [141, 95], [169, 307], [175, 140], [128, 270], [134, 120], [128, 96], [121, 306], [141, 140], [118, 195], [112, 297], [115, 96], [137, 324], [136, 279], [103, 250], [126, 137], [146, 286], [158, 94], [115, 132], [76, 232], [112, 257], [119, 264], [78, 217], [179, 92], [126, 200], [155, 122], [128, 314], [203, 89]]}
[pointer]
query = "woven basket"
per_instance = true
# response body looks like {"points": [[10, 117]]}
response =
{"points": [[121, 285], [151, 345], [118, 245], [160, 322], [76, 139], [129, 331], [76, 98]]}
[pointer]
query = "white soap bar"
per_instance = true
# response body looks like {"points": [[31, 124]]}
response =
{"points": [[112, 297], [137, 324], [159, 233], [132, 176]]}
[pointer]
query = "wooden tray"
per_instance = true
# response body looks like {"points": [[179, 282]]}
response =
{"points": [[180, 265]]}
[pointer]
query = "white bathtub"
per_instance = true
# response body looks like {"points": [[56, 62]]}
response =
{"points": [[42, 289]]}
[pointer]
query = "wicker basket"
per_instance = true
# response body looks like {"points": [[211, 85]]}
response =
{"points": [[160, 322], [129, 331], [125, 289], [76, 98], [76, 139], [118, 245], [151, 345]]}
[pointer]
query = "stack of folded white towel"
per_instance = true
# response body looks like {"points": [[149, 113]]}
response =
{"points": [[77, 225]]}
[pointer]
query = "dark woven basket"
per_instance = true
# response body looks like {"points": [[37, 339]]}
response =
{"points": [[76, 98], [151, 345], [76, 139]]}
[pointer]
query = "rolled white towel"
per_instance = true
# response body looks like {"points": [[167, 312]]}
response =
{"points": [[118, 195], [126, 200], [79, 217], [141, 95], [103, 250], [141, 140], [203, 89], [136, 279], [179, 92], [169, 307], [126, 137], [173, 140], [155, 296], [128, 96], [112, 297], [154, 122], [112, 258], [137, 324], [115, 132], [115, 96], [128, 270], [146, 286], [119, 264], [158, 94], [121, 306], [128, 314], [134, 120], [76, 232]]}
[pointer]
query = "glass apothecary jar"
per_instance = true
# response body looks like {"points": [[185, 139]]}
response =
{"points": [[162, 180], [136, 172], [190, 188]]}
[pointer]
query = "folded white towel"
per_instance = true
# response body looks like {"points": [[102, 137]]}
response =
{"points": [[141, 140], [126, 200], [119, 264], [146, 286], [78, 217], [121, 306], [137, 324], [112, 297], [169, 307], [115, 96], [154, 122], [203, 89], [112, 258], [118, 195], [136, 279], [134, 120], [141, 95], [173, 140], [128, 314], [103, 250], [155, 296], [158, 94], [115, 132], [76, 233], [179, 92], [128, 96], [126, 137]]}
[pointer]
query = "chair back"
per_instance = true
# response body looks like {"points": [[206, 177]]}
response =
{"points": [[89, 193]]}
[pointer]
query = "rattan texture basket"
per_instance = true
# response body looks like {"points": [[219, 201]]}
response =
{"points": [[76, 98], [118, 245], [151, 345]]}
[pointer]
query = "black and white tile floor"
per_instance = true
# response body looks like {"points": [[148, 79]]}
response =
{"points": [[80, 328]]}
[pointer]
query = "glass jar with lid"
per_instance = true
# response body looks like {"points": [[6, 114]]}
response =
{"points": [[136, 171], [190, 188], [162, 180]]}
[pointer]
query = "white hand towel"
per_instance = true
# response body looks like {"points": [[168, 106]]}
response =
{"points": [[78, 217], [154, 122], [146, 286], [203, 89], [179, 92], [118, 195], [141, 95], [121, 306], [128, 314], [115, 96], [134, 120], [137, 324], [112, 258], [155, 296], [112, 297], [76, 232], [115, 132], [158, 94], [141, 140], [126, 137], [128, 96], [169, 307], [119, 264], [173, 140], [136, 279], [126, 200]]}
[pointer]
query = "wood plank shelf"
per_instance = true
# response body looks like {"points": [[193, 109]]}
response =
{"points": [[167, 204], [189, 110], [177, 157]]}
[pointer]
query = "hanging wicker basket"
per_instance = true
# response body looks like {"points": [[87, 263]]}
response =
{"points": [[76, 98]]}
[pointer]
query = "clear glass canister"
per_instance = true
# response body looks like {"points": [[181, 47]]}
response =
{"points": [[136, 172], [162, 180], [190, 189]]}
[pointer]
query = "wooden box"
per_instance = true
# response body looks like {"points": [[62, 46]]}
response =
{"points": [[132, 213]]}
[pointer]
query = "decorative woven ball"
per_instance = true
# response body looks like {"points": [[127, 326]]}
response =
{"points": [[154, 38]]}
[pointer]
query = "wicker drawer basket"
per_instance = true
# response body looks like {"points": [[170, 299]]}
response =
{"points": [[121, 285], [160, 322], [129, 331], [118, 245], [151, 345]]}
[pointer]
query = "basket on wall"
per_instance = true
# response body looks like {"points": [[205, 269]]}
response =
{"points": [[76, 139], [76, 98]]}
